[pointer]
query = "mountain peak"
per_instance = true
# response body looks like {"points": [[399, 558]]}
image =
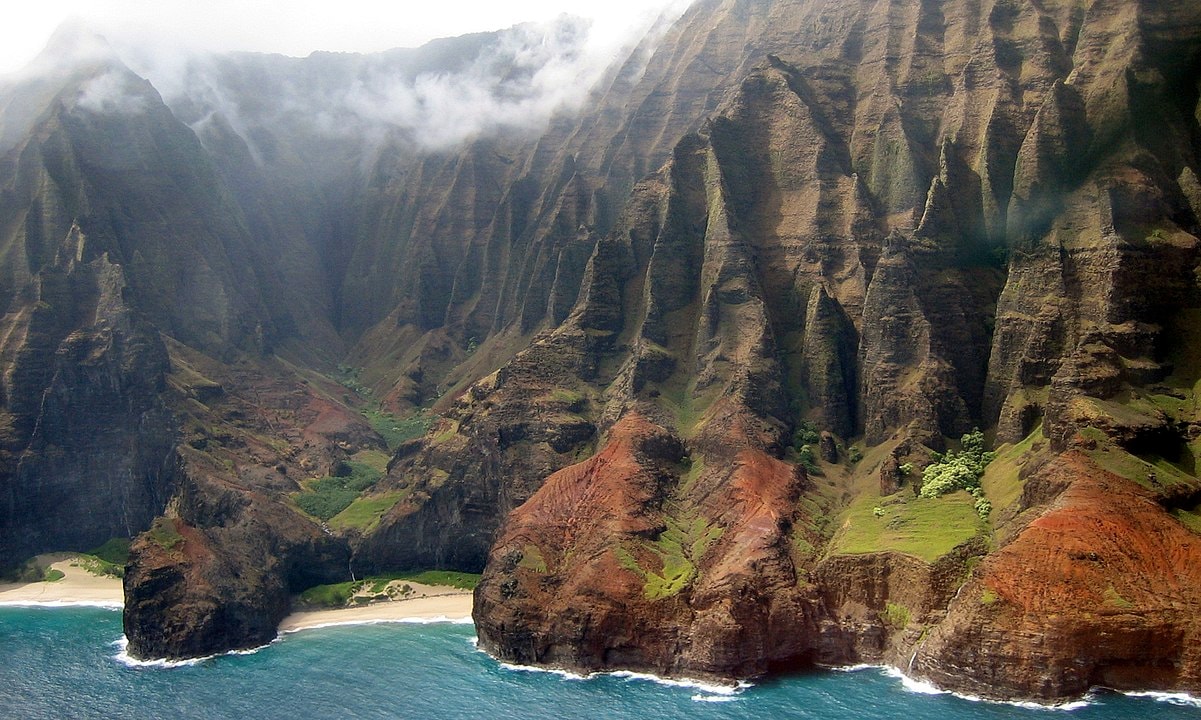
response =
{"points": [[72, 45]]}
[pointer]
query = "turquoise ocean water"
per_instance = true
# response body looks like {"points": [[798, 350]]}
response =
{"points": [[63, 663]]}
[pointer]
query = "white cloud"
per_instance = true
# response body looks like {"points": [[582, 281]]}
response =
{"points": [[535, 70], [292, 27], [112, 93], [547, 63]]}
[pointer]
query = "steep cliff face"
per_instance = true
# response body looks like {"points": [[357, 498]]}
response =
{"points": [[80, 409], [1095, 591], [647, 577], [910, 249], [218, 575], [653, 339]]}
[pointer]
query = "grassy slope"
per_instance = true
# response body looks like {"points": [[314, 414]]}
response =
{"points": [[926, 528], [1001, 481]]}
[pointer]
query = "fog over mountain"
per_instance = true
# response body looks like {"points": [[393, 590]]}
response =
{"points": [[510, 78]]}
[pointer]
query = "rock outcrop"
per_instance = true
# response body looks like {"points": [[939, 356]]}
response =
{"points": [[612, 564], [1094, 592]]}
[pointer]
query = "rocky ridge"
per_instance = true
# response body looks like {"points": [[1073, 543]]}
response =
{"points": [[890, 222]]}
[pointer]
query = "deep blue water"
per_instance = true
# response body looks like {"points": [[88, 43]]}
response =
{"points": [[61, 663]]}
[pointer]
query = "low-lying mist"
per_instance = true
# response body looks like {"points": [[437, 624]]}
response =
{"points": [[435, 97]]}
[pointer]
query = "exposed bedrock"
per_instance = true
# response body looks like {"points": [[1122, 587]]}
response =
{"points": [[1011, 288], [86, 441], [221, 580]]}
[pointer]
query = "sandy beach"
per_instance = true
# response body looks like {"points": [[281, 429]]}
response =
{"points": [[452, 606], [430, 603], [77, 587]]}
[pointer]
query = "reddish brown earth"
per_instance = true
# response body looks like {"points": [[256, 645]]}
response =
{"points": [[568, 588], [1100, 589]]}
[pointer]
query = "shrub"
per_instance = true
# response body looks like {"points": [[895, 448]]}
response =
{"points": [[808, 460], [806, 434], [983, 508], [895, 616], [960, 470], [53, 575]]}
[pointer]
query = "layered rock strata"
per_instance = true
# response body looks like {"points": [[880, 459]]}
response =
{"points": [[653, 340]]}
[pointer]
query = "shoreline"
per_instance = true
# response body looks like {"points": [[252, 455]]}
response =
{"points": [[453, 606], [437, 604], [80, 588]]}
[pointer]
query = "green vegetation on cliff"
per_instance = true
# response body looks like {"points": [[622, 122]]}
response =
{"points": [[364, 512], [927, 528], [329, 496], [97, 566], [326, 497], [679, 549], [449, 578], [1002, 482], [164, 533], [1153, 472], [115, 551], [396, 430]]}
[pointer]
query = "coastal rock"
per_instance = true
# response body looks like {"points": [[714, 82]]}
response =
{"points": [[222, 579], [1096, 591], [672, 587]]}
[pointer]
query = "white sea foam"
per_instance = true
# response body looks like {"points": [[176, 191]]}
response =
{"points": [[924, 687], [851, 668], [708, 692], [128, 660], [704, 687], [107, 605], [565, 674], [1182, 699]]}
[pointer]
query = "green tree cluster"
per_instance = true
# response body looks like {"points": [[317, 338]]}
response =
{"points": [[960, 470]]}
